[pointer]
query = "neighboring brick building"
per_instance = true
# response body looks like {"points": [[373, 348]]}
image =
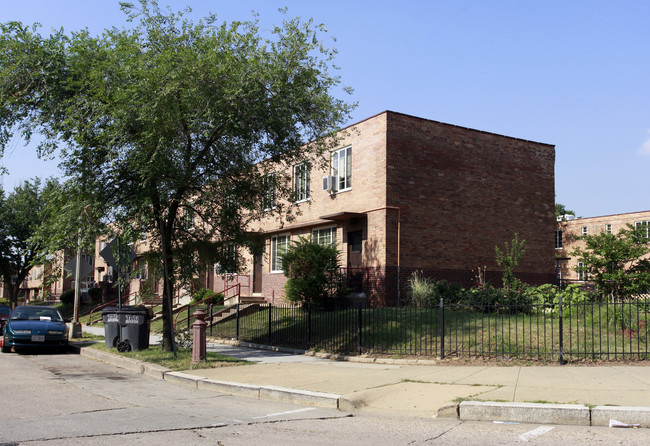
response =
{"points": [[414, 194], [568, 232]]}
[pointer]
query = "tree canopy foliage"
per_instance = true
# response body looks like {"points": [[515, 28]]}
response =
{"points": [[561, 211], [165, 123], [617, 263], [21, 218]]}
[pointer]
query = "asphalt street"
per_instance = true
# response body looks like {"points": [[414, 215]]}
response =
{"points": [[68, 399]]}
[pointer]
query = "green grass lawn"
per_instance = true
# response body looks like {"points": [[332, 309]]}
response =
{"points": [[593, 331]]}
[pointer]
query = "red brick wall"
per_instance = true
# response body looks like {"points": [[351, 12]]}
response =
{"points": [[462, 191]]}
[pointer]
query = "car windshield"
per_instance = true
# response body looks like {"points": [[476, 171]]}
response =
{"points": [[36, 314], [4, 309]]}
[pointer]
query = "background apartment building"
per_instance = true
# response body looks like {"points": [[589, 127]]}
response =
{"points": [[568, 232]]}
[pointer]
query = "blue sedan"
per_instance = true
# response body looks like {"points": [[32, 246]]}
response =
{"points": [[32, 326]]}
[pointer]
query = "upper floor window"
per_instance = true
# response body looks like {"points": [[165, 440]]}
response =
{"points": [[342, 168], [643, 228], [301, 181], [279, 245], [188, 218], [324, 237], [268, 202], [582, 272], [585, 231], [558, 239]]}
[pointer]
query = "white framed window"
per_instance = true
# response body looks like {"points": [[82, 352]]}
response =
{"points": [[268, 202], [324, 236], [643, 228], [301, 181], [188, 218], [342, 168], [608, 228], [585, 231], [582, 273], [558, 239], [279, 245]]}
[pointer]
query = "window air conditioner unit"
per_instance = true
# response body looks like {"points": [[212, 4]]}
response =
{"points": [[328, 183]]}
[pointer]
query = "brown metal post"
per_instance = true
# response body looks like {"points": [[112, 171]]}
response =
{"points": [[198, 329]]}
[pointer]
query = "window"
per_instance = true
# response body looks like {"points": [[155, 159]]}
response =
{"points": [[279, 245], [188, 218], [608, 228], [324, 237], [585, 231], [582, 273], [342, 168], [643, 228], [558, 239], [301, 181], [268, 201], [228, 263]]}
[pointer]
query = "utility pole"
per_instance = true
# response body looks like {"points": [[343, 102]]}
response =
{"points": [[76, 325]]}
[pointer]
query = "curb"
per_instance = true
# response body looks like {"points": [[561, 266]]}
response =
{"points": [[274, 393], [560, 414], [572, 414], [534, 413]]}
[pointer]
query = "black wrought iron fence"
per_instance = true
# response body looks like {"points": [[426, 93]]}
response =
{"points": [[585, 330]]}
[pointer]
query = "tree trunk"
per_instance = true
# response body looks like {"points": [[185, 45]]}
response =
{"points": [[168, 285]]}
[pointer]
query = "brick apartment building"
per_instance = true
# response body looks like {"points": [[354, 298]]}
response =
{"points": [[567, 233], [403, 194]]}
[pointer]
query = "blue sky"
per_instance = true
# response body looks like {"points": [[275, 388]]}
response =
{"points": [[575, 74]]}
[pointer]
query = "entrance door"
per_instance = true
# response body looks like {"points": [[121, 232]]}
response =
{"points": [[355, 248], [257, 272], [355, 261]]}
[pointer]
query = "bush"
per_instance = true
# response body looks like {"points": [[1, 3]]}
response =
{"points": [[205, 293], [423, 290], [314, 273], [95, 294], [488, 299], [67, 297]]}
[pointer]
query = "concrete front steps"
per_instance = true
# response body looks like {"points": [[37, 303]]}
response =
{"points": [[247, 305]]}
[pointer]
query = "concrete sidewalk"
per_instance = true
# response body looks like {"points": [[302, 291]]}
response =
{"points": [[430, 389]]}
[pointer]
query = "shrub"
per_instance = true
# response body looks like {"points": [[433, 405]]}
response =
{"points": [[205, 293], [67, 297], [314, 273], [423, 290], [95, 294], [485, 298]]}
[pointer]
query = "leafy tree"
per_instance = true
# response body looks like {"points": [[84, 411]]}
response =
{"points": [[617, 263], [165, 124], [21, 216], [508, 259], [561, 211], [313, 271]]}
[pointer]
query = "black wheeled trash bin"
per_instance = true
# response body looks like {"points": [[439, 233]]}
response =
{"points": [[126, 328], [135, 323], [111, 321]]}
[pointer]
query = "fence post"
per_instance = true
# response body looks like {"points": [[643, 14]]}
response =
{"points": [[359, 322], [237, 329], [442, 328], [188, 316], [308, 325], [270, 319], [561, 325]]}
